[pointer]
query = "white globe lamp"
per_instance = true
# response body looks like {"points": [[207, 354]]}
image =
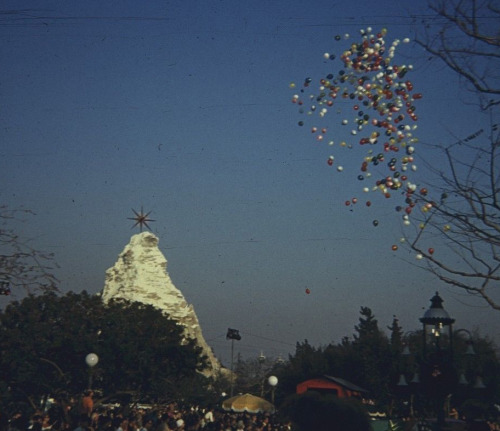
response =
{"points": [[91, 359]]}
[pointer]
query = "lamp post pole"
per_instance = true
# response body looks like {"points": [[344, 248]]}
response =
{"points": [[439, 377], [232, 334], [91, 360], [273, 381]]}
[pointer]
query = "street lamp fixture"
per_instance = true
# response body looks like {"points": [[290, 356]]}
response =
{"points": [[232, 334], [91, 360], [273, 381], [437, 377], [438, 328]]}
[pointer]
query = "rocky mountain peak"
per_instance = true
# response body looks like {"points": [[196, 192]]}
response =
{"points": [[140, 275]]}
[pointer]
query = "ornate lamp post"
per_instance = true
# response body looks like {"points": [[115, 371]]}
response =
{"points": [[438, 329], [91, 360], [435, 376], [438, 375], [273, 381], [232, 334]]}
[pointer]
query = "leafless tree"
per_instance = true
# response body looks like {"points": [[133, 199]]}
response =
{"points": [[465, 213], [465, 35], [465, 218], [21, 265]]}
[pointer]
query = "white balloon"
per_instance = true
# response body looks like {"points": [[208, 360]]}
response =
{"points": [[272, 380]]}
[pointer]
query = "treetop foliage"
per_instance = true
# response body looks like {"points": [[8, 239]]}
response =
{"points": [[44, 341]]}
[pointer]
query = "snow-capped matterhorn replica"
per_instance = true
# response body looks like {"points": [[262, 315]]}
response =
{"points": [[140, 275]]}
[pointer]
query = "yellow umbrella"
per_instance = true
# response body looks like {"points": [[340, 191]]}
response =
{"points": [[248, 403]]}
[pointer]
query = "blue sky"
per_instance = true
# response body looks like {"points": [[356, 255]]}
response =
{"points": [[185, 108]]}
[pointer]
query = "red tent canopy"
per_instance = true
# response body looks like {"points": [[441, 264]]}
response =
{"points": [[332, 385]]}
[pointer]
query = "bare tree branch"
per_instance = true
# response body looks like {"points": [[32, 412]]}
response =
{"points": [[466, 220], [468, 43], [21, 265]]}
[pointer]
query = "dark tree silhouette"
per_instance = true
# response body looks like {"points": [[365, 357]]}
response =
{"points": [[44, 341]]}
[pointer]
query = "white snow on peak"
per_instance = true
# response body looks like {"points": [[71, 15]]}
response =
{"points": [[140, 275]]}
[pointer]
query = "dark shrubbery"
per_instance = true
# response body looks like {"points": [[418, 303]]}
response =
{"points": [[318, 412]]}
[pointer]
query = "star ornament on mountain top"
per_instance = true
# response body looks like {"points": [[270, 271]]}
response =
{"points": [[141, 219]]}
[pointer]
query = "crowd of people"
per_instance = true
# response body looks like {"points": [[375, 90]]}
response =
{"points": [[83, 415]]}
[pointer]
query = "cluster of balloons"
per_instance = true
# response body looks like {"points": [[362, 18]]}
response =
{"points": [[380, 116]]}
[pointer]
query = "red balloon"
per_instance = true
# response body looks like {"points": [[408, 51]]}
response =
{"points": [[431, 251], [394, 247], [308, 291]]}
